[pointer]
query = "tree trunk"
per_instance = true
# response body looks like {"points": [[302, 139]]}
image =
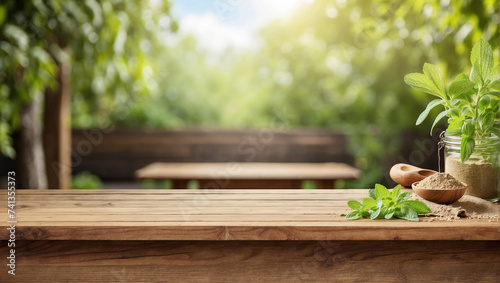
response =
{"points": [[31, 158], [57, 131]]}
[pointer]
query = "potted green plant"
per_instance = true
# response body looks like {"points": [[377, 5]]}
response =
{"points": [[471, 103]]}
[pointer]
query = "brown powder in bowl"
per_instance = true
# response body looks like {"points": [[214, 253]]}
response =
{"points": [[440, 181]]}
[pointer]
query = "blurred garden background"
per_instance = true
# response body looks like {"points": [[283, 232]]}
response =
{"points": [[156, 64]]}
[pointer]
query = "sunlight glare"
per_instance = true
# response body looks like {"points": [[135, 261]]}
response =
{"points": [[279, 9]]}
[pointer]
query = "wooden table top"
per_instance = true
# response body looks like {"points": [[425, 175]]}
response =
{"points": [[249, 171], [215, 215]]}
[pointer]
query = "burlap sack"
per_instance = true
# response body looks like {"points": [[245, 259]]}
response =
{"points": [[467, 206]]}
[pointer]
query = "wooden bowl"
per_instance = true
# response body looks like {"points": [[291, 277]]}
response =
{"points": [[439, 196]]}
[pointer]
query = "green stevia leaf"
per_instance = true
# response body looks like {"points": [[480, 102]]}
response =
{"points": [[466, 110], [406, 212], [468, 128], [383, 212], [411, 215], [459, 89], [429, 107], [354, 204], [455, 124], [422, 83], [461, 77], [369, 202], [466, 148], [494, 85], [482, 56], [493, 95], [475, 75], [433, 73], [389, 215], [353, 215], [381, 191], [372, 194], [406, 195], [419, 207], [365, 214], [380, 203], [487, 118], [457, 132], [387, 201], [439, 117], [403, 196], [455, 102], [484, 102], [495, 108], [375, 213], [495, 73], [396, 191]]}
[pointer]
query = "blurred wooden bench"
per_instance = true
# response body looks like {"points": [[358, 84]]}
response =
{"points": [[255, 175], [115, 155]]}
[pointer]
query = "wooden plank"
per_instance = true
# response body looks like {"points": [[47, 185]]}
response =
{"points": [[360, 230], [144, 210], [172, 203], [217, 215], [194, 195], [163, 219], [250, 261], [192, 198], [223, 220], [166, 201], [193, 192]]}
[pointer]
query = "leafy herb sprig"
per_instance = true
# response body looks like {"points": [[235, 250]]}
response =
{"points": [[470, 102], [383, 203]]}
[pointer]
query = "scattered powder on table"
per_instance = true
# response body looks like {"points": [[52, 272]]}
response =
{"points": [[469, 207], [440, 181]]}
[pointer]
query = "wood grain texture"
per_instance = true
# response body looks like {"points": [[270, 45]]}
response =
{"points": [[255, 261], [216, 215]]}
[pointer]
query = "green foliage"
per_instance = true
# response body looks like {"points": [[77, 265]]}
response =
{"points": [[152, 184], [26, 70], [332, 72], [193, 185], [470, 102], [86, 181], [149, 184], [107, 43], [383, 203], [321, 70], [309, 185]]}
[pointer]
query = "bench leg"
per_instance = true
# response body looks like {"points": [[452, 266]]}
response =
{"points": [[326, 184], [179, 184]]}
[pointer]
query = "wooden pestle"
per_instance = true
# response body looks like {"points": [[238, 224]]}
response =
{"points": [[406, 174]]}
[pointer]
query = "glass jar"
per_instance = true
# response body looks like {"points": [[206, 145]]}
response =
{"points": [[480, 172]]}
